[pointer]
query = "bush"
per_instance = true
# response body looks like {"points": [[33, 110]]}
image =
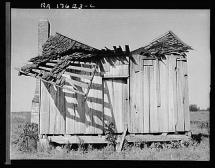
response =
{"points": [[193, 107], [110, 134], [28, 137]]}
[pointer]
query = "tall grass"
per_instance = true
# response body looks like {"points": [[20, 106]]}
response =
{"points": [[195, 149]]}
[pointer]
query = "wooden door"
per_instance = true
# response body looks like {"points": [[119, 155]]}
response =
{"points": [[115, 102], [183, 119], [143, 97]]}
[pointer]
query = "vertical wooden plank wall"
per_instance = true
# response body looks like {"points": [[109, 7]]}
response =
{"points": [[85, 108], [52, 109], [171, 78], [136, 116], [154, 127], [117, 103], [158, 101], [146, 95], [44, 109], [116, 99], [118, 70], [107, 104], [70, 105], [62, 115], [153, 94], [85, 116], [186, 98], [163, 114], [179, 93], [52, 113], [94, 107], [125, 96], [56, 111]]}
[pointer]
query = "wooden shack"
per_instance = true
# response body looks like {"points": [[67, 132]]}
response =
{"points": [[143, 92]]}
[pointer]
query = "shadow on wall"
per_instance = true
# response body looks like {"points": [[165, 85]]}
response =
{"points": [[78, 110]]}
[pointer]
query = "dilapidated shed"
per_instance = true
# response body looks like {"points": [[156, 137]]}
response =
{"points": [[82, 88]]}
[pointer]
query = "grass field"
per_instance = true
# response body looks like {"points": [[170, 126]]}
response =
{"points": [[198, 149]]}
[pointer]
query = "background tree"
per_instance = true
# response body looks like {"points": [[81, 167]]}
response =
{"points": [[194, 107]]}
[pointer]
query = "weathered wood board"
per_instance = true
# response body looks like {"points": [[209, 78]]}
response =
{"points": [[146, 98], [163, 112], [150, 96], [117, 71], [154, 127], [52, 113], [44, 109], [172, 79], [186, 98], [115, 102], [94, 108], [136, 116], [179, 93]]}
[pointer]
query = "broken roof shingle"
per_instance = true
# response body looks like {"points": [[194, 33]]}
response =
{"points": [[168, 43]]}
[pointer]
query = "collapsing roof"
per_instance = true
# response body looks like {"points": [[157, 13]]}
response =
{"points": [[62, 55]]}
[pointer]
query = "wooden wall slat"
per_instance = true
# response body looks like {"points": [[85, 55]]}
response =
{"points": [[125, 103], [70, 103], [109, 102], [163, 113], [113, 102], [62, 102], [107, 107], [60, 122], [88, 115], [174, 71], [88, 111], [76, 116], [137, 94], [175, 93], [158, 84], [146, 91], [136, 112], [119, 70], [119, 87], [154, 127], [44, 109], [80, 114], [180, 119], [94, 102], [186, 98], [171, 109], [115, 93], [132, 97], [140, 96], [53, 110]]}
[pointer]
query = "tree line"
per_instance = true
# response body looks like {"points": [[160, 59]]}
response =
{"points": [[194, 107]]}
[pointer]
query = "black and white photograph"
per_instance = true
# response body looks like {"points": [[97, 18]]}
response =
{"points": [[110, 84]]}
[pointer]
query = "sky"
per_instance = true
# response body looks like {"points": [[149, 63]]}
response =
{"points": [[101, 28]]}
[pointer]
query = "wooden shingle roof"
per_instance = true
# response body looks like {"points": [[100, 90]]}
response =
{"points": [[167, 44]]}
